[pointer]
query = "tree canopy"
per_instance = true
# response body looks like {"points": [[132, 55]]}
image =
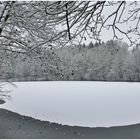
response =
{"points": [[26, 26]]}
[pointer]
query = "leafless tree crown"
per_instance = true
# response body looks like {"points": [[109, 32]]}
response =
{"points": [[27, 26]]}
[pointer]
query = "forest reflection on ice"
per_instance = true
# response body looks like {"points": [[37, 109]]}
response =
{"points": [[77, 103]]}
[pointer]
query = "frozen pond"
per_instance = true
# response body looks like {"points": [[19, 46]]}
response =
{"points": [[77, 103]]}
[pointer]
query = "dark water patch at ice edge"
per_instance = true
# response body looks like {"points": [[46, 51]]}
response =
{"points": [[2, 101], [13, 125]]}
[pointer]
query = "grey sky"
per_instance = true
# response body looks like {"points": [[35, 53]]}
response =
{"points": [[108, 34]]}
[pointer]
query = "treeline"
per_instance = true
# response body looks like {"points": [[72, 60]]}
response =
{"points": [[109, 61]]}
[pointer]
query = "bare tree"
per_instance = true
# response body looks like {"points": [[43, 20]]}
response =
{"points": [[27, 26], [25, 29], [90, 18]]}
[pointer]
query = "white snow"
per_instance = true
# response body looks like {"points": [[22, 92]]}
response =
{"points": [[77, 103]]}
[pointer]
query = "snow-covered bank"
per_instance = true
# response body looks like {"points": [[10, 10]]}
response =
{"points": [[15, 126], [77, 103]]}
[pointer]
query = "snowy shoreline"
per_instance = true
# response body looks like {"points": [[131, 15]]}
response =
{"points": [[43, 79], [13, 125]]}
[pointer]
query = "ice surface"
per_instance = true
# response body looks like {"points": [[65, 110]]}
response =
{"points": [[77, 103]]}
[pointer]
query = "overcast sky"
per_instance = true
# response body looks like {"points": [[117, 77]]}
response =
{"points": [[108, 34]]}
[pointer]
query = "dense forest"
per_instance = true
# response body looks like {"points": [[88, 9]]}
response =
{"points": [[109, 61], [38, 40]]}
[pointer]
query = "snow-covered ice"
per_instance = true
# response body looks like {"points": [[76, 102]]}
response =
{"points": [[77, 103]]}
